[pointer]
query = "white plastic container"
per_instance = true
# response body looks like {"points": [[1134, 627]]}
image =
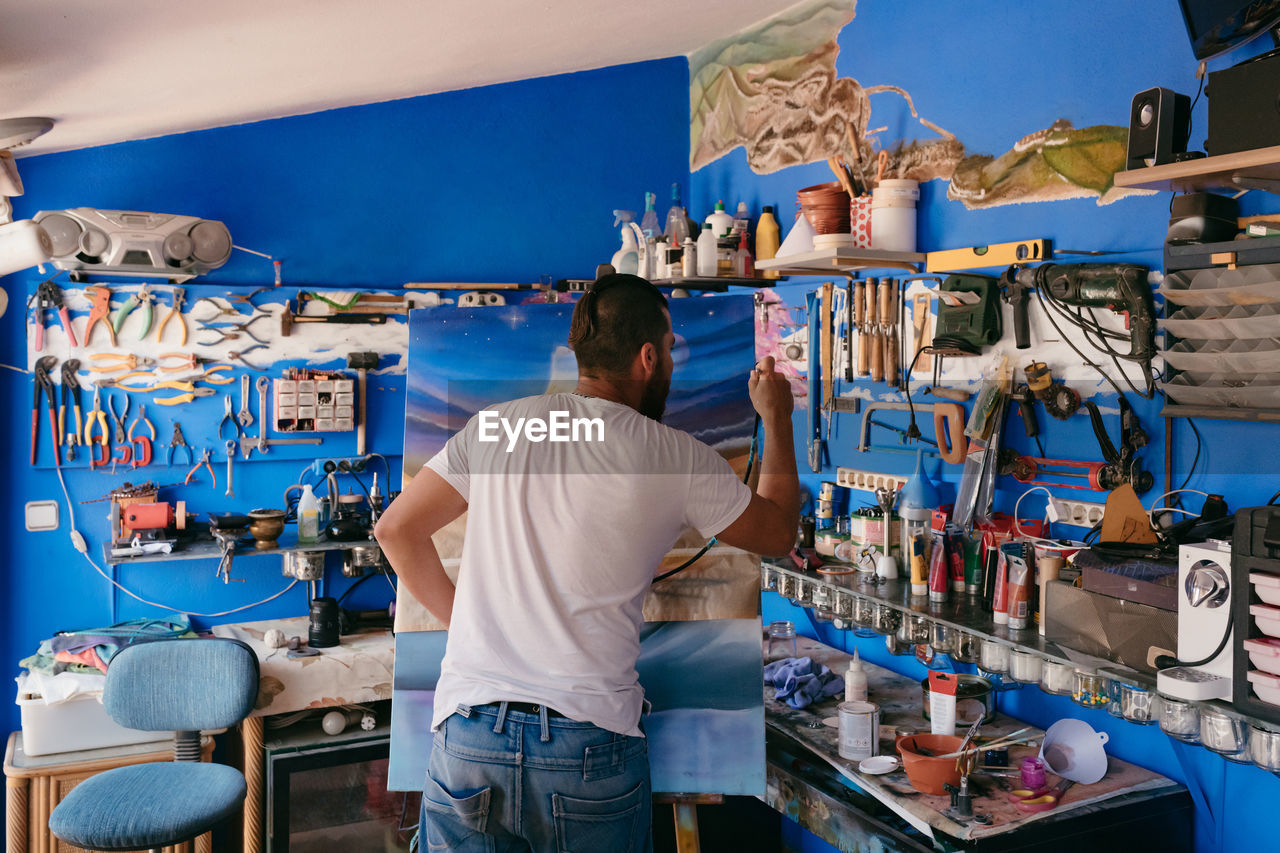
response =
{"points": [[1264, 653], [1267, 686], [308, 515], [721, 223], [75, 723], [855, 680], [707, 251], [689, 260], [893, 215], [1266, 618], [1267, 587]]}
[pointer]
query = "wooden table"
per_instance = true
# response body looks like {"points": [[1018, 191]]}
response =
{"points": [[34, 785], [356, 671], [803, 746]]}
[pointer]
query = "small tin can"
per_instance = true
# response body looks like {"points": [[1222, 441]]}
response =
{"points": [[859, 730]]}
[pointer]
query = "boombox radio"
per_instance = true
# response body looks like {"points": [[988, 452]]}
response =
{"points": [[132, 243]]}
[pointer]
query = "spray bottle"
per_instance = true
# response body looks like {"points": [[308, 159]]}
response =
{"points": [[627, 259], [649, 222]]}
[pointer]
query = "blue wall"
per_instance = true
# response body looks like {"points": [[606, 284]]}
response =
{"points": [[991, 73], [504, 183]]}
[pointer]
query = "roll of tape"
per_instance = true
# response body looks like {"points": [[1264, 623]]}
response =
{"points": [[23, 244]]}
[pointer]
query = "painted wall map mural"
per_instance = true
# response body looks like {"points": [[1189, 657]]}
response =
{"points": [[773, 90]]}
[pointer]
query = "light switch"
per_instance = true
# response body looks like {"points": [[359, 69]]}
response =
{"points": [[42, 515]]}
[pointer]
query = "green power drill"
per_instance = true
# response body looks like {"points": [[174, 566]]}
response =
{"points": [[1121, 288]]}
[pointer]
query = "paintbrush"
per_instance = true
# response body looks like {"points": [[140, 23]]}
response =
{"points": [[839, 172]]}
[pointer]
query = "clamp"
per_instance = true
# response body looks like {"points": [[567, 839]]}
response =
{"points": [[205, 456], [179, 297], [70, 406], [118, 420], [143, 297], [141, 417], [1122, 466], [98, 313], [178, 440], [142, 453], [228, 415]]}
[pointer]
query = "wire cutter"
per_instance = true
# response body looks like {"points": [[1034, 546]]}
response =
{"points": [[205, 456], [186, 361], [190, 392], [118, 420], [179, 297], [70, 406], [228, 416], [98, 314], [113, 361], [141, 417], [143, 297], [178, 440], [44, 386], [49, 295]]}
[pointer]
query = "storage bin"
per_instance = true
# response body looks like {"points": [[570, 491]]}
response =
{"points": [[77, 723]]}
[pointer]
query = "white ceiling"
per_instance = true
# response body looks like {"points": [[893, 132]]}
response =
{"points": [[113, 71]]}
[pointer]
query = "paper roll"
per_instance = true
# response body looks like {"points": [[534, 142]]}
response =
{"points": [[23, 244]]}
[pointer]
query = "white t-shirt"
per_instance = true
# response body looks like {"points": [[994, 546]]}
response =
{"points": [[562, 541]]}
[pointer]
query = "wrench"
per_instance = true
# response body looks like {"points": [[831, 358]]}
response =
{"points": [[231, 455], [262, 413], [245, 416]]}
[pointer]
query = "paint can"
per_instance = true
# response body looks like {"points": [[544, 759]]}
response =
{"points": [[859, 730], [893, 215]]}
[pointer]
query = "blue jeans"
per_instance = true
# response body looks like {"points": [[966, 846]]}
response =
{"points": [[501, 781]]}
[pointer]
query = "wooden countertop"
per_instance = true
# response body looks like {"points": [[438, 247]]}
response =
{"points": [[899, 698]]}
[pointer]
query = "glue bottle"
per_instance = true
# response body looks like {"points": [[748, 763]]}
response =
{"points": [[707, 263], [743, 266], [308, 515], [855, 680], [721, 223]]}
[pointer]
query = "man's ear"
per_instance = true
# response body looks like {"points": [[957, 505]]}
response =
{"points": [[647, 360]]}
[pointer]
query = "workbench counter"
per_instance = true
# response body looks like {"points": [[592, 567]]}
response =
{"points": [[808, 737]]}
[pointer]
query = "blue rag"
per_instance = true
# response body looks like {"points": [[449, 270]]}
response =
{"points": [[798, 685]]}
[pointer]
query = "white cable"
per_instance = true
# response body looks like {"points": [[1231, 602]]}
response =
{"points": [[1151, 513], [1047, 544]]}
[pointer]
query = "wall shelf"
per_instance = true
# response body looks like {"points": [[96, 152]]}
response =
{"points": [[1223, 170], [716, 283], [205, 548], [842, 260]]}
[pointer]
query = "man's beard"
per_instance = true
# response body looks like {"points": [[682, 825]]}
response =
{"points": [[653, 400]]}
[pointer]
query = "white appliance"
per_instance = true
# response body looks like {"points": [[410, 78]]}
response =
{"points": [[1204, 617], [134, 243]]}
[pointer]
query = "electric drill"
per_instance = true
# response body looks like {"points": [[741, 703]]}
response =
{"points": [[1121, 288]]}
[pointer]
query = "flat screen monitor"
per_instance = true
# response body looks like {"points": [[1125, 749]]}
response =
{"points": [[1217, 26]]}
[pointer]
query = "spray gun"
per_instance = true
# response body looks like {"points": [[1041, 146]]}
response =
{"points": [[1121, 288]]}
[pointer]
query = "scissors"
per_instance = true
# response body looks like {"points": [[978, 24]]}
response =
{"points": [[1041, 799]]}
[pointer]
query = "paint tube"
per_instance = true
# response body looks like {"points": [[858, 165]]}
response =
{"points": [[1018, 583], [955, 556], [939, 566], [919, 568], [1000, 595]]}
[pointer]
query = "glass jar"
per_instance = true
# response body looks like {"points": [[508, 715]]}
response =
{"points": [[917, 628], [995, 657], [864, 612], [968, 647], [1179, 719], [1057, 678], [1138, 704], [821, 597], [1089, 689], [942, 638], [782, 640], [1025, 667], [1225, 734], [1113, 695], [786, 585], [804, 592], [888, 621], [768, 578], [844, 604]]}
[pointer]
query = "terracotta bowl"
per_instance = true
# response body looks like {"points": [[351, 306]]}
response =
{"points": [[927, 772]]}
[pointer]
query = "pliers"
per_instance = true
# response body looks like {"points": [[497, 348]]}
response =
{"points": [[221, 329], [119, 361], [228, 416], [96, 417], [141, 417], [239, 356], [179, 297], [186, 361], [49, 295], [44, 385], [118, 420], [179, 441], [70, 406], [205, 456], [143, 297], [101, 307], [190, 393]]}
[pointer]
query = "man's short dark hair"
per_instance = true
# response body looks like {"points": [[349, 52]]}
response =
{"points": [[613, 320]]}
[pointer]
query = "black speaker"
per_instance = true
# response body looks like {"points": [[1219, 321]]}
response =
{"points": [[1244, 105], [1158, 126]]}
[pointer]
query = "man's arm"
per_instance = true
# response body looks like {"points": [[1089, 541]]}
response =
{"points": [[768, 524], [404, 531]]}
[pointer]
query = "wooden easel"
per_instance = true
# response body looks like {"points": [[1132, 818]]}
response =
{"points": [[685, 808]]}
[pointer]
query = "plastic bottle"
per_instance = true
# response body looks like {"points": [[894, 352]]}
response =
{"points": [[741, 219], [649, 222], [626, 259], [677, 222], [660, 269], [707, 251], [768, 238], [689, 260], [743, 266], [308, 515], [719, 221], [916, 504], [855, 680]]}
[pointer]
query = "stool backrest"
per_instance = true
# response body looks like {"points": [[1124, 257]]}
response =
{"points": [[181, 685]]}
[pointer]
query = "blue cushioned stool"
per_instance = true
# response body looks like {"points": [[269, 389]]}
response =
{"points": [[165, 685]]}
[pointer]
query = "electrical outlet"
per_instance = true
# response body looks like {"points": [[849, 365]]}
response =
{"points": [[1079, 513], [867, 481], [320, 467]]}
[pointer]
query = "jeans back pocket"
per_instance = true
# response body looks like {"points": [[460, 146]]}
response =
{"points": [[592, 826], [449, 821]]}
